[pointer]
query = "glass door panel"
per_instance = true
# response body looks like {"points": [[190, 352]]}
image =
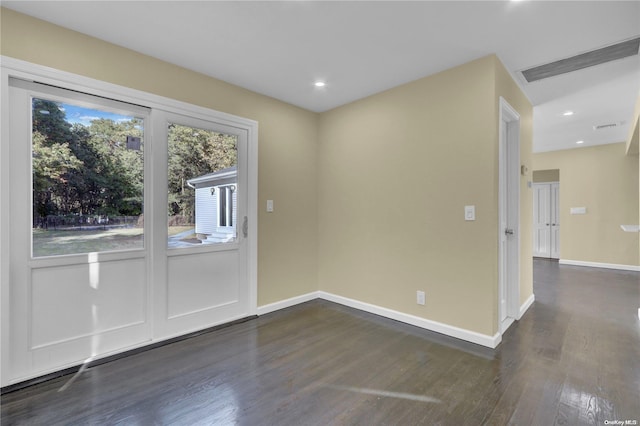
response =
{"points": [[88, 179], [202, 187]]}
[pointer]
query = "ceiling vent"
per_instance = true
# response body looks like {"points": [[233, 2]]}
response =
{"points": [[608, 125], [584, 60]]}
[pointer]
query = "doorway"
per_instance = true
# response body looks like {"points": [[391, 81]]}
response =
{"points": [[509, 216]]}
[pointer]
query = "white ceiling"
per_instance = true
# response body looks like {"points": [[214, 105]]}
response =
{"points": [[360, 48]]}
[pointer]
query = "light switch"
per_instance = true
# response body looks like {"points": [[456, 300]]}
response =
{"points": [[269, 206], [578, 210], [469, 212]]}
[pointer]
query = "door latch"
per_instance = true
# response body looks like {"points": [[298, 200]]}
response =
{"points": [[508, 231], [245, 227]]}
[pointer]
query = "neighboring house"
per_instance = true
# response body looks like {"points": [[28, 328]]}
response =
{"points": [[216, 204]]}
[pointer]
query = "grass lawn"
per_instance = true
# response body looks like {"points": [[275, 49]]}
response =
{"points": [[173, 230], [55, 243]]}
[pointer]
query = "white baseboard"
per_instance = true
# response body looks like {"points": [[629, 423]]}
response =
{"points": [[449, 330], [600, 265], [265, 309], [526, 305]]}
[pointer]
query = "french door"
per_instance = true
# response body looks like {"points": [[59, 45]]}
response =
{"points": [[546, 220], [127, 225]]}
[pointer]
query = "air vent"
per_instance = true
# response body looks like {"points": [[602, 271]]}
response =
{"points": [[608, 125], [584, 60]]}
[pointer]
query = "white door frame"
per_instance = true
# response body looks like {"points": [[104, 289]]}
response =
{"points": [[15, 68], [509, 216]]}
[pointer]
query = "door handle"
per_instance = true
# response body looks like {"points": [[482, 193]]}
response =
{"points": [[245, 227], [508, 231]]}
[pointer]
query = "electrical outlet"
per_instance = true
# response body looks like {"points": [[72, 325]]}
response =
{"points": [[420, 297]]}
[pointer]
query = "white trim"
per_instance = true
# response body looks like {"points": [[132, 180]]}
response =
{"points": [[26, 70], [506, 323], [600, 265], [526, 305], [276, 306], [438, 327], [508, 212], [5, 224]]}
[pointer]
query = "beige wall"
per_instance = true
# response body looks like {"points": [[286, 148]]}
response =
{"points": [[546, 176], [369, 197], [396, 170], [287, 248], [605, 181]]}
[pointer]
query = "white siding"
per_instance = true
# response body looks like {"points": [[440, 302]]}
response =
{"points": [[206, 211]]}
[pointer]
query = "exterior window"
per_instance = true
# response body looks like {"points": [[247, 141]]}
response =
{"points": [[226, 210], [88, 179], [202, 179]]}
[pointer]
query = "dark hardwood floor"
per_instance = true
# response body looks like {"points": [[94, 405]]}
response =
{"points": [[574, 358]]}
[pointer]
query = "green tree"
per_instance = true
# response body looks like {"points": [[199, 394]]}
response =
{"points": [[192, 153], [52, 165], [85, 169]]}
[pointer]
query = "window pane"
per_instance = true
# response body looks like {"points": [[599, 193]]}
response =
{"points": [[88, 179], [202, 186]]}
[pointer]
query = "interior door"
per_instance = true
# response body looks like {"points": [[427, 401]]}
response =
{"points": [[509, 215], [554, 198], [546, 220], [541, 220], [504, 224]]}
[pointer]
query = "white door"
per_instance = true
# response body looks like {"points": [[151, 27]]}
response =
{"points": [[509, 216], [199, 275], [103, 254], [79, 286], [555, 220], [546, 220], [541, 220]]}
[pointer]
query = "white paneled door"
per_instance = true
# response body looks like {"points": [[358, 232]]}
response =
{"points": [[546, 220], [108, 248]]}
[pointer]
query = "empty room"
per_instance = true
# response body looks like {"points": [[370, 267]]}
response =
{"points": [[319, 212]]}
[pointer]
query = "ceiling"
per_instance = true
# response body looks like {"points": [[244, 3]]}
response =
{"points": [[360, 48]]}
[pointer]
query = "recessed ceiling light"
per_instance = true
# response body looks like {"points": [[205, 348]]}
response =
{"points": [[567, 113], [319, 83], [580, 142]]}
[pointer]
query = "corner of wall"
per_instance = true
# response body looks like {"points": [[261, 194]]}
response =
{"points": [[633, 140], [508, 88]]}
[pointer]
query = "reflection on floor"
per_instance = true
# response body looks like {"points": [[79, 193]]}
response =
{"points": [[572, 359]]}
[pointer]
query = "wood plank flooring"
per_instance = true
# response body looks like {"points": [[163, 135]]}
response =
{"points": [[574, 358]]}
